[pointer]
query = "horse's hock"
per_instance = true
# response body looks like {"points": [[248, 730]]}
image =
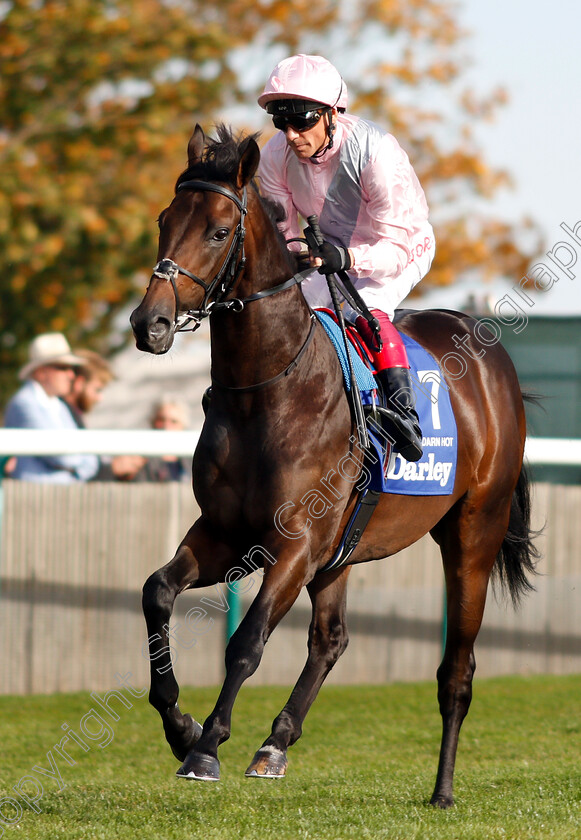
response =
{"points": [[74, 560]]}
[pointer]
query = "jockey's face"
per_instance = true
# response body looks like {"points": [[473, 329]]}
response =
{"points": [[307, 143]]}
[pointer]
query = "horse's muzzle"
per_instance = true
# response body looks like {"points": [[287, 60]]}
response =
{"points": [[154, 333]]}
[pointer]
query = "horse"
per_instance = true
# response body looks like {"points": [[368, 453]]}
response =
{"points": [[278, 421]]}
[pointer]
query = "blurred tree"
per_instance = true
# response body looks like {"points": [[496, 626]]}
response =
{"points": [[98, 98], [93, 127]]}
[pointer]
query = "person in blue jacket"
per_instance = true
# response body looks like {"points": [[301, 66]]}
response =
{"points": [[48, 376]]}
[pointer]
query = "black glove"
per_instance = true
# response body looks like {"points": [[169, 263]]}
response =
{"points": [[335, 258]]}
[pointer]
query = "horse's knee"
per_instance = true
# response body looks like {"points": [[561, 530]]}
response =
{"points": [[329, 642], [156, 594], [243, 654]]}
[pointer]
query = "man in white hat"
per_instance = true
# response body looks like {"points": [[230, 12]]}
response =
{"points": [[48, 376]]}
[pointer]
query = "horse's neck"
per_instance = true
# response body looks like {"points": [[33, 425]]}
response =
{"points": [[258, 343]]}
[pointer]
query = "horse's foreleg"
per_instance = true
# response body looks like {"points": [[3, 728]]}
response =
{"points": [[280, 588], [468, 566], [159, 594], [328, 639]]}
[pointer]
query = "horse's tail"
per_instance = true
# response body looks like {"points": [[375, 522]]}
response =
{"points": [[518, 555]]}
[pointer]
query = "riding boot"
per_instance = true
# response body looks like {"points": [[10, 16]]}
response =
{"points": [[399, 418]]}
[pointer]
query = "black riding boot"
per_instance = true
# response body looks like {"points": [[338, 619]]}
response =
{"points": [[399, 419]]}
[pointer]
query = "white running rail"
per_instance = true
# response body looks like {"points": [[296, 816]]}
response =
{"points": [[148, 442]]}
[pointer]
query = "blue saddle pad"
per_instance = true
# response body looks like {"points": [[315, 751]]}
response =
{"points": [[434, 474], [363, 376]]}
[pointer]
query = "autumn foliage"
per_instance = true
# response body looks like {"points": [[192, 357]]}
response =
{"points": [[98, 98]]}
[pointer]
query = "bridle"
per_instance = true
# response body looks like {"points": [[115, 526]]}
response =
{"points": [[228, 274], [224, 281], [226, 278]]}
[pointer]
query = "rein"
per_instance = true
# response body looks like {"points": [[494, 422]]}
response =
{"points": [[227, 276]]}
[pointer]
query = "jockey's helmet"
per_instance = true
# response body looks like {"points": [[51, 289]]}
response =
{"points": [[298, 78]]}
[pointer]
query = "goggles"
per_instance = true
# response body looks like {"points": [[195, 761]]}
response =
{"points": [[300, 122]]}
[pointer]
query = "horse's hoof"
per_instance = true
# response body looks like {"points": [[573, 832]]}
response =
{"points": [[268, 763], [441, 801], [187, 741], [200, 768]]}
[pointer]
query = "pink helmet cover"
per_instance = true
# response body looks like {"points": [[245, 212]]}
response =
{"points": [[306, 77]]}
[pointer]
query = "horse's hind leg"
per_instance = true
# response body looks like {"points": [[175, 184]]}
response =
{"points": [[159, 594], [327, 640], [469, 541]]}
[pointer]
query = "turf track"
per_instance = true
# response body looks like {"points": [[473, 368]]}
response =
{"points": [[364, 768]]}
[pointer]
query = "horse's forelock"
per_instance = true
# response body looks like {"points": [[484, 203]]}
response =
{"points": [[220, 158], [220, 161]]}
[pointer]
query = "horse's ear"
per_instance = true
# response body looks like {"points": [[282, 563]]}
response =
{"points": [[249, 159], [196, 145]]}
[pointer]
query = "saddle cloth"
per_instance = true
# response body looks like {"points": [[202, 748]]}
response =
{"points": [[386, 471]]}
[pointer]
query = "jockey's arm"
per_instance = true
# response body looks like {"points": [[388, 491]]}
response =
{"points": [[396, 220]]}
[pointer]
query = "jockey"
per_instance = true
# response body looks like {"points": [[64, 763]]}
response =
{"points": [[372, 213]]}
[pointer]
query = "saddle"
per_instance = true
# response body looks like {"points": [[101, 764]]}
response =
{"points": [[384, 470]]}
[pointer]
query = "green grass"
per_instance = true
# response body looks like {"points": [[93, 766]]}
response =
{"points": [[364, 768]]}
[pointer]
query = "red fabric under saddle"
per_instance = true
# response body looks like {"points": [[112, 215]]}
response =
{"points": [[393, 352]]}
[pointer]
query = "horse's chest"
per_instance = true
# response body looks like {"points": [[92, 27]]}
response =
{"points": [[237, 462], [243, 476]]}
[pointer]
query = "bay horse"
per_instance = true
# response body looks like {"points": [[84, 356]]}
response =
{"points": [[277, 422]]}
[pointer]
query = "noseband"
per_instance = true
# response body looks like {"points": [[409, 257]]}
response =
{"points": [[226, 277]]}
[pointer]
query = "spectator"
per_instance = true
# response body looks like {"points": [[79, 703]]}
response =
{"points": [[90, 380], [47, 376], [171, 415]]}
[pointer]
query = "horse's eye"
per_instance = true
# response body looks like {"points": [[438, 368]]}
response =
{"points": [[221, 234]]}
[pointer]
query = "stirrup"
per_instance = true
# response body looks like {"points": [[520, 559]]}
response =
{"points": [[404, 432]]}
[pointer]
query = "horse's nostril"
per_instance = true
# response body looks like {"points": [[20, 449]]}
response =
{"points": [[159, 327], [152, 334]]}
